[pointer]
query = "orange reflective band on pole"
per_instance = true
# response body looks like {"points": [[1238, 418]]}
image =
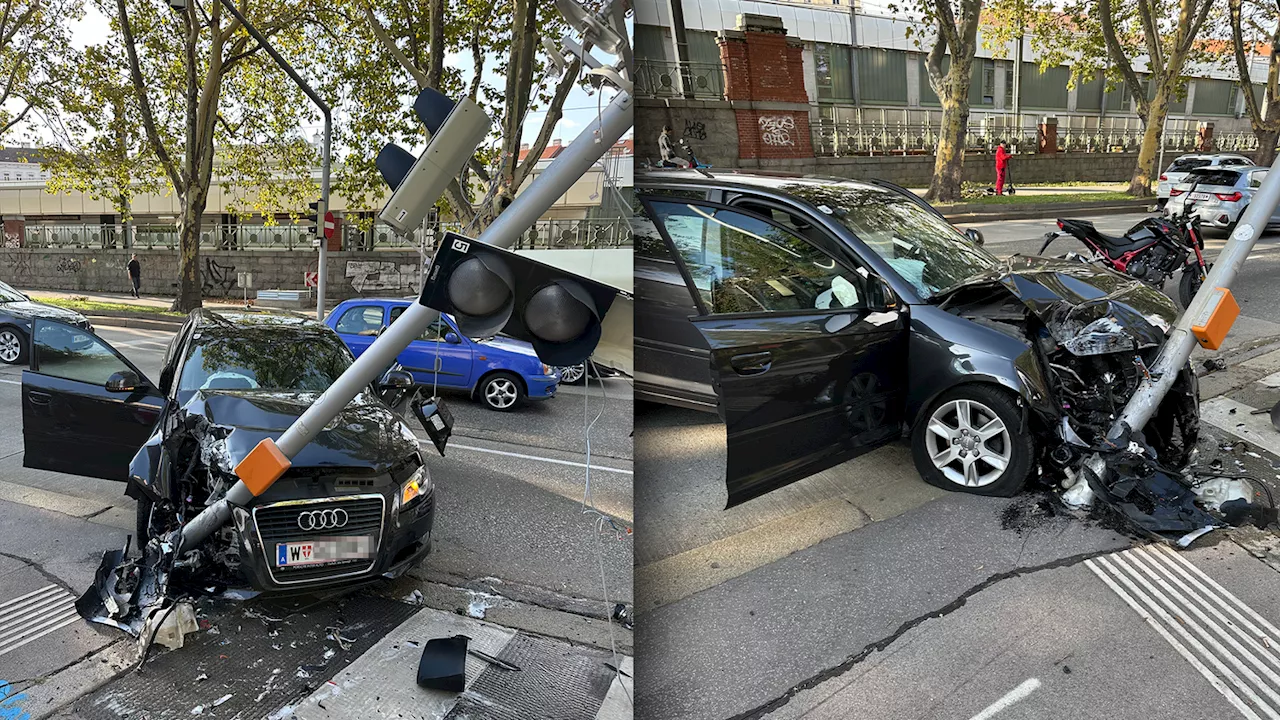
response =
{"points": [[1211, 326], [262, 466]]}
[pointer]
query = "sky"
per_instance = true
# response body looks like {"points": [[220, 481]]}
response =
{"points": [[580, 108]]}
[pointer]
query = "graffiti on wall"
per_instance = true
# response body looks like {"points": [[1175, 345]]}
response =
{"points": [[695, 129], [218, 279], [15, 265], [378, 276], [68, 265], [776, 130]]}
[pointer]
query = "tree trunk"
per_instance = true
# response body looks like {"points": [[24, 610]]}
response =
{"points": [[1267, 139], [1140, 183], [948, 167], [189, 288]]}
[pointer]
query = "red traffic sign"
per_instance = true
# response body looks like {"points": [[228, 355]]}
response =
{"points": [[330, 225], [311, 278]]}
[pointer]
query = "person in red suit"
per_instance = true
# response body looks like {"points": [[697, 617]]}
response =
{"points": [[1002, 164]]}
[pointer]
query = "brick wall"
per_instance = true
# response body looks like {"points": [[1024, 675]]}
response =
{"points": [[771, 134], [764, 84], [349, 274]]}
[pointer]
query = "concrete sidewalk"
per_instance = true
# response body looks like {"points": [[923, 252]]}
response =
{"points": [[1054, 189]]}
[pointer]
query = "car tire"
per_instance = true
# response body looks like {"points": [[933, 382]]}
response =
{"points": [[501, 391], [13, 346], [943, 429]]}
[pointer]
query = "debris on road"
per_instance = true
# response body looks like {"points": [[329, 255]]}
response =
{"points": [[443, 665]]}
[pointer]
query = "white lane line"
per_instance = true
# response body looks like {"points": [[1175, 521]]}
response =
{"points": [[1237, 658], [601, 468], [1223, 592], [1181, 649], [1009, 700], [16, 620], [70, 619], [42, 591], [11, 382]]}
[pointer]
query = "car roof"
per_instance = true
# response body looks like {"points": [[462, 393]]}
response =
{"points": [[764, 179]]}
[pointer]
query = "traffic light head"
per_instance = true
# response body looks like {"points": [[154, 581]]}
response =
{"points": [[489, 290], [418, 182], [314, 217]]}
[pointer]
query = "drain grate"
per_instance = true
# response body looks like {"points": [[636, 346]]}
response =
{"points": [[556, 682]]}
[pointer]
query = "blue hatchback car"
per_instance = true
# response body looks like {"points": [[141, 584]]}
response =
{"points": [[501, 372]]}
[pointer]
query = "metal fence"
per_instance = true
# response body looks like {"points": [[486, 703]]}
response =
{"points": [[545, 234], [662, 78], [909, 135]]}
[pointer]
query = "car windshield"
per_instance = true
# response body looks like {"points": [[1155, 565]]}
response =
{"points": [[263, 358], [1215, 176], [918, 244], [1187, 164], [8, 294]]}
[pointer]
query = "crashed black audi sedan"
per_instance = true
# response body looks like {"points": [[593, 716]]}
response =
{"points": [[826, 317], [357, 503]]}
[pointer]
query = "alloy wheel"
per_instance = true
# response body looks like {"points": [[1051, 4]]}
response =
{"points": [[10, 346], [968, 443], [501, 393], [572, 373]]}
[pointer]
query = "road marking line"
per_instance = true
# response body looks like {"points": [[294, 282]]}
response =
{"points": [[1237, 658], [1009, 700], [11, 382], [1253, 428], [44, 590], [1180, 624], [1223, 592], [19, 618], [1181, 649], [601, 468], [74, 617]]}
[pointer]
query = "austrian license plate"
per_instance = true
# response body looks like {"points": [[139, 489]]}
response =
{"points": [[323, 551], [1199, 196]]}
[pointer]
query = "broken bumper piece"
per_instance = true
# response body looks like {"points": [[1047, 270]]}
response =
{"points": [[126, 593]]}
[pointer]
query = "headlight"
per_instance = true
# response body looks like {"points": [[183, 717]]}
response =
{"points": [[548, 370], [418, 485]]}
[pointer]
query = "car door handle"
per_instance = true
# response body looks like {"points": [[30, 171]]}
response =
{"points": [[751, 363], [39, 398]]}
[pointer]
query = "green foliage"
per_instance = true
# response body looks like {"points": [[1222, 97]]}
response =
{"points": [[34, 40]]}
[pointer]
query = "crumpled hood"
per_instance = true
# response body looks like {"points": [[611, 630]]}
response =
{"points": [[364, 435], [29, 309], [1089, 310]]}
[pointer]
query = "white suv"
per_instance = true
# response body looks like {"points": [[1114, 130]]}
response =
{"points": [[1186, 163]]}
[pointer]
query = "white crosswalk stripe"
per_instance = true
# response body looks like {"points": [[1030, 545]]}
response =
{"points": [[28, 618], [1226, 641]]}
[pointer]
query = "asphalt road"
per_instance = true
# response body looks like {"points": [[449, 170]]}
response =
{"points": [[510, 519], [863, 593]]}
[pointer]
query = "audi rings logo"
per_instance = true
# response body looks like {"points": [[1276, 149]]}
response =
{"points": [[322, 519]]}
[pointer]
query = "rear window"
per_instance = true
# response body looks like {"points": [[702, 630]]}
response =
{"points": [[1187, 164], [1213, 177]]}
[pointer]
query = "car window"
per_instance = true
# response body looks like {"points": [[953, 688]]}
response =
{"points": [[921, 247], [435, 331], [8, 294], [1256, 177], [1233, 161], [361, 320], [1188, 164], [1210, 176], [73, 354], [739, 263], [263, 359], [645, 237]]}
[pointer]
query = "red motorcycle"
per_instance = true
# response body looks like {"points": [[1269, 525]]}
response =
{"points": [[1150, 251]]}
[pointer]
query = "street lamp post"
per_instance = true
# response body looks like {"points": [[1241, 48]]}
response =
{"points": [[323, 209]]}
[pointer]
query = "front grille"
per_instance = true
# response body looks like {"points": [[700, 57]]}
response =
{"points": [[279, 523]]}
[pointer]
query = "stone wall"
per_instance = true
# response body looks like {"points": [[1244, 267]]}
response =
{"points": [[349, 274]]}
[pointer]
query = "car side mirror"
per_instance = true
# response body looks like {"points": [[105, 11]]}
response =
{"points": [[452, 338], [166, 378], [975, 236], [879, 297], [380, 331], [123, 381], [396, 380]]}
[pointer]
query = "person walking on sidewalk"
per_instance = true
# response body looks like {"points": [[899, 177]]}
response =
{"points": [[1002, 166], [135, 274]]}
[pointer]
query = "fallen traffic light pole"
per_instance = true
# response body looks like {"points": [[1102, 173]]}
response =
{"points": [[1206, 322]]}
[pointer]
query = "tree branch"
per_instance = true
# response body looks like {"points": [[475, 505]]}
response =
{"points": [[389, 45], [144, 103], [554, 112], [1242, 64], [1107, 22]]}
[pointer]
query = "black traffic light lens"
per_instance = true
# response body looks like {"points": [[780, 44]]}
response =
{"points": [[476, 290], [554, 315]]}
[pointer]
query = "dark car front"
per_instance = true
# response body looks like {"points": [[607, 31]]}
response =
{"points": [[357, 502]]}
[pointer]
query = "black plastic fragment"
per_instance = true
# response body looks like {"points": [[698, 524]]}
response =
{"points": [[444, 664]]}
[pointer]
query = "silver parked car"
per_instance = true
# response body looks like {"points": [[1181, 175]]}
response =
{"points": [[1218, 195], [1186, 163]]}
